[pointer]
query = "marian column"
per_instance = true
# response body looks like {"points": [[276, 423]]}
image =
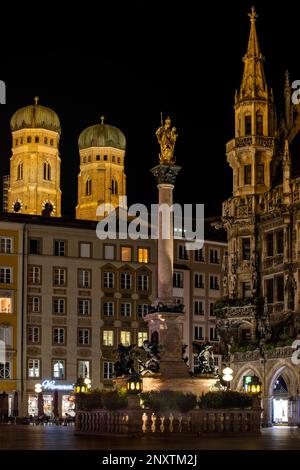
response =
{"points": [[165, 326]]}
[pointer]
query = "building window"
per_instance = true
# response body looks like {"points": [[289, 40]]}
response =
{"points": [[142, 282], [60, 276], [214, 282], [84, 336], [142, 336], [51, 141], [20, 171], [34, 304], [105, 158], [182, 253], [247, 174], [108, 370], [211, 309], [125, 309], [246, 248], [46, 140], [143, 255], [214, 256], [6, 302], [33, 334], [84, 369], [84, 278], [5, 370], [6, 245], [59, 306], [279, 242], [88, 187], [142, 310], [177, 279], [113, 159], [246, 335], [108, 309], [47, 171], [270, 245], [280, 288], [114, 186], [198, 332], [59, 335], [126, 253], [36, 139], [125, 338], [260, 174], [247, 292], [33, 368], [198, 307], [108, 338], [199, 284], [59, 369], [199, 255], [29, 139], [34, 275], [248, 127], [97, 158], [60, 248], [108, 280], [35, 246], [109, 252], [6, 335], [85, 250], [269, 290], [212, 334], [6, 275], [259, 124], [126, 280], [84, 307]]}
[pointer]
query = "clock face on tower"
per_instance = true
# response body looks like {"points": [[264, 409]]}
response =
{"points": [[48, 207], [17, 205]]}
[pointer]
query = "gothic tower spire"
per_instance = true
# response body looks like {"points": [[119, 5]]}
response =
{"points": [[254, 83]]}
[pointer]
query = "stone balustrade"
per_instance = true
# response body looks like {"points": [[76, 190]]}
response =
{"points": [[146, 422]]}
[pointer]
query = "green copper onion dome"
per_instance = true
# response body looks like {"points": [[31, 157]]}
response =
{"points": [[102, 135], [35, 117]]}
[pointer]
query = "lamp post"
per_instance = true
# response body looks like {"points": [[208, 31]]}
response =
{"points": [[227, 376], [252, 384], [134, 386]]}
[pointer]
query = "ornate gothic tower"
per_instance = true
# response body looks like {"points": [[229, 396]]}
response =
{"points": [[35, 162], [101, 179], [250, 155]]}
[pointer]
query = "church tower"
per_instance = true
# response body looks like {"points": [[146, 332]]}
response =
{"points": [[101, 179], [251, 151], [251, 156], [35, 163]]}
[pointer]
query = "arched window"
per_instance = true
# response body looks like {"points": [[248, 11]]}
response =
{"points": [[29, 139], [114, 187], [20, 171], [45, 140], [47, 171], [88, 187], [51, 141], [97, 157]]}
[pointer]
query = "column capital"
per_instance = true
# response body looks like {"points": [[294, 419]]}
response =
{"points": [[165, 174]]}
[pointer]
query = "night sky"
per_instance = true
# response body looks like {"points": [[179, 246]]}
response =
{"points": [[130, 60]]}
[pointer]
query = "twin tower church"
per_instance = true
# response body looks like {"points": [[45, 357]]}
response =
{"points": [[33, 186]]}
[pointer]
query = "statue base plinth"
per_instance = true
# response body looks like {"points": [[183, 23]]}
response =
{"points": [[196, 385]]}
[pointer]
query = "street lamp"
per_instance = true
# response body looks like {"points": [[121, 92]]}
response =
{"points": [[227, 375], [251, 384], [134, 384], [82, 385]]}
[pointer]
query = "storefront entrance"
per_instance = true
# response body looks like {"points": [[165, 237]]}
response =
{"points": [[280, 403]]}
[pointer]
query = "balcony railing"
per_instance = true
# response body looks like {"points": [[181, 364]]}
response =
{"points": [[247, 140]]}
